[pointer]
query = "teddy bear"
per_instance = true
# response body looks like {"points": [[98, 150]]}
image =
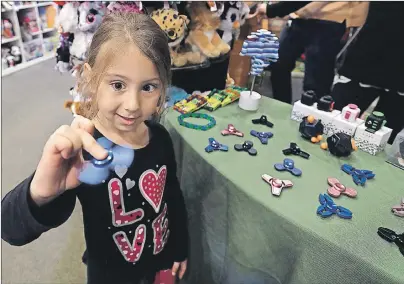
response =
{"points": [[175, 27], [203, 36]]}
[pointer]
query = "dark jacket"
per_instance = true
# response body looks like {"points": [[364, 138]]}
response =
{"points": [[376, 57]]}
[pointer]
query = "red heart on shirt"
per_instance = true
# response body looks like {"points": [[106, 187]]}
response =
{"points": [[152, 186]]}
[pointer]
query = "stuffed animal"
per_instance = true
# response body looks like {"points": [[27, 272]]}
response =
{"points": [[175, 27], [90, 17], [75, 105], [5, 52], [16, 52], [229, 21], [123, 6], [67, 25], [203, 36], [7, 28]]}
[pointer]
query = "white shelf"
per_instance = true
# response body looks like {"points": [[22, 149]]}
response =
{"points": [[27, 64], [7, 40], [13, 14]]}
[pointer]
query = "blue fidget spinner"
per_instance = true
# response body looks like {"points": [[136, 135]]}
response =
{"points": [[329, 208], [96, 171], [215, 146], [262, 136], [359, 176], [288, 165]]}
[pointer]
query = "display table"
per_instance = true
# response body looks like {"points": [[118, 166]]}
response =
{"points": [[241, 233]]}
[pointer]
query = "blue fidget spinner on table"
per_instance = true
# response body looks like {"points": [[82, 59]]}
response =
{"points": [[359, 176], [96, 171], [329, 208], [262, 136], [288, 165], [215, 146]]}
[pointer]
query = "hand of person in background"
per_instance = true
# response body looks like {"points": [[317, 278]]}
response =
{"points": [[62, 160], [261, 9]]}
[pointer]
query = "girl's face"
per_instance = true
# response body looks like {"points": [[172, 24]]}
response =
{"points": [[129, 91]]}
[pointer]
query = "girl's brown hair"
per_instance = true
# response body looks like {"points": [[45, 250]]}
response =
{"points": [[118, 30]]}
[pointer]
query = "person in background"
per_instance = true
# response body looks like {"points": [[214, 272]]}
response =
{"points": [[374, 65], [316, 30]]}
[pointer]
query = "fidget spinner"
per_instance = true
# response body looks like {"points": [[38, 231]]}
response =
{"points": [[215, 146], [119, 159], [288, 165], [329, 208], [392, 237], [247, 146], [398, 210], [263, 120], [359, 176], [276, 184], [231, 130], [295, 150], [262, 136]]}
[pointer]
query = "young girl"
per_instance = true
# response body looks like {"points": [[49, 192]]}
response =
{"points": [[130, 235]]}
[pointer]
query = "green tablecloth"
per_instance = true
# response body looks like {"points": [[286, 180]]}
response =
{"points": [[241, 233]]}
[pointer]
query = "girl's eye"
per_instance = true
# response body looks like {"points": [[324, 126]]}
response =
{"points": [[117, 86], [149, 88]]}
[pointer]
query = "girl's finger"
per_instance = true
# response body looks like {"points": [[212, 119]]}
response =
{"points": [[91, 146], [183, 269], [174, 270], [81, 122]]}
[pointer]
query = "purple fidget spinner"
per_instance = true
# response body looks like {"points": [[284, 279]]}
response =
{"points": [[262, 136], [215, 146], [288, 165]]}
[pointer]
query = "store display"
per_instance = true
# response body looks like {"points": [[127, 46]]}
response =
{"points": [[33, 49], [191, 104], [247, 146], [395, 155], [215, 146], [263, 120], [175, 27], [337, 189], [29, 25], [202, 35], [288, 165], [340, 145], [277, 185], [392, 237], [398, 210], [295, 150], [215, 100], [359, 176], [119, 159], [262, 136], [211, 124], [231, 130], [7, 28], [329, 208], [311, 129]]}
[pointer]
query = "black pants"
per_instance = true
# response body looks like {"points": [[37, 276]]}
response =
{"points": [[321, 42], [390, 103]]}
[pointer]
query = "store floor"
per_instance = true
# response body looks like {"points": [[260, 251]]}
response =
{"points": [[32, 108]]}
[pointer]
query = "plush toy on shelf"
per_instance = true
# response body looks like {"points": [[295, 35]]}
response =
{"points": [[5, 52], [7, 28], [90, 16], [175, 27], [67, 25], [203, 36], [16, 53]]}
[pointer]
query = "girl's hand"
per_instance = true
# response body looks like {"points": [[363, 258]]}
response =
{"points": [[62, 159], [182, 266]]}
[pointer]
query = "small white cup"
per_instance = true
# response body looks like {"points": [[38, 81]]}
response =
{"points": [[249, 102]]}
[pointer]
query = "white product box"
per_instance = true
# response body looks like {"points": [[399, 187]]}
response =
{"points": [[372, 143], [301, 110], [326, 117], [339, 124], [395, 154]]}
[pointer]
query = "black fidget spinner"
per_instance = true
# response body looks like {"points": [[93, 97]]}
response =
{"points": [[263, 120], [295, 150], [247, 146]]}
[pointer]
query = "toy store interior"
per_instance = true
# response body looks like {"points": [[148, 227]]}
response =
{"points": [[286, 122]]}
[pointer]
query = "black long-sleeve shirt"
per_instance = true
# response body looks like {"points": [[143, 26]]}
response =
{"points": [[284, 8], [128, 220]]}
